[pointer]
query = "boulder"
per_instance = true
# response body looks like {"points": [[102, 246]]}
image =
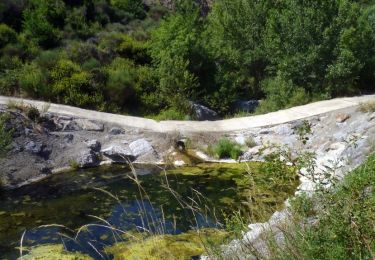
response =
{"points": [[93, 145], [248, 106], [140, 147], [202, 113], [118, 154], [88, 159], [89, 125], [342, 117]]}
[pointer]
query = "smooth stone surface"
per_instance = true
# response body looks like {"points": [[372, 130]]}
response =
{"points": [[118, 154], [140, 147]]}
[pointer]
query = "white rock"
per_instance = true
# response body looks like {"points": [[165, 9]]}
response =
{"points": [[179, 163], [240, 139], [140, 147], [118, 153]]}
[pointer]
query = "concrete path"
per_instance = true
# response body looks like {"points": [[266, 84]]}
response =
{"points": [[228, 125]]}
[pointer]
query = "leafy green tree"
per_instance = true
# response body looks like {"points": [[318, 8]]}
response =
{"points": [[235, 33], [315, 44], [7, 35], [179, 58], [120, 86], [33, 80], [71, 85], [134, 7], [42, 20]]}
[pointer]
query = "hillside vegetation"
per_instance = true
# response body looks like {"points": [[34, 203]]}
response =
{"points": [[128, 57]]}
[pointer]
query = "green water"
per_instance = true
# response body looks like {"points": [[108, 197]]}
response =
{"points": [[171, 202]]}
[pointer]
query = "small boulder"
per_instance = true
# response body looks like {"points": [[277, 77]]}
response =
{"points": [[202, 113], [140, 147], [93, 145], [118, 154], [342, 117], [88, 159], [116, 131]]}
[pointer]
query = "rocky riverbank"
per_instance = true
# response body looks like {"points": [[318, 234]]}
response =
{"points": [[54, 142]]}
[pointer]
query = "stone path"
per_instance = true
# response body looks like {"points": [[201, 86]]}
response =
{"points": [[235, 124]]}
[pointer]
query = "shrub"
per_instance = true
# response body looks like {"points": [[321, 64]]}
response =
{"points": [[281, 93], [7, 35], [73, 86], [170, 114], [121, 82], [33, 81], [33, 113], [345, 221], [5, 136], [250, 142], [226, 148]]}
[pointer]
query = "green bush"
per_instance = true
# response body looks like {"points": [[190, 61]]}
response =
{"points": [[33, 81], [226, 148], [170, 114], [120, 86], [7, 35], [281, 93], [345, 220], [73, 86], [5, 136]]}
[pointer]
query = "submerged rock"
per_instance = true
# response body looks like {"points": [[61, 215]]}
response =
{"points": [[183, 246], [51, 251], [118, 154]]}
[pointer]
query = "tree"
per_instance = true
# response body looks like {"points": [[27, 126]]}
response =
{"points": [[134, 7], [42, 20], [315, 44], [7, 35], [179, 57], [235, 40]]}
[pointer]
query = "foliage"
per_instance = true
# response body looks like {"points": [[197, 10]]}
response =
{"points": [[7, 35], [42, 20], [170, 114], [226, 148], [5, 135], [344, 225], [281, 93], [285, 53]]}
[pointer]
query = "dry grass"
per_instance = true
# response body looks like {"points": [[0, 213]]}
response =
{"points": [[367, 107]]}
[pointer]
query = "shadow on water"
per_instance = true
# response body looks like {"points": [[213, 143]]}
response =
{"points": [[74, 200]]}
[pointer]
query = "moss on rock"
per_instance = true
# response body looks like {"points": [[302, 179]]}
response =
{"points": [[53, 252], [183, 246]]}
